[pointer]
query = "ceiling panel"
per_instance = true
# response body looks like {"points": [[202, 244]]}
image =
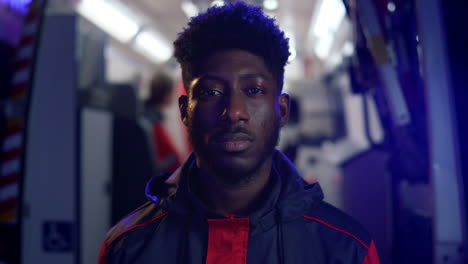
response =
{"points": [[169, 19]]}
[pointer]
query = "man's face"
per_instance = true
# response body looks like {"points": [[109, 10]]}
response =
{"points": [[234, 113]]}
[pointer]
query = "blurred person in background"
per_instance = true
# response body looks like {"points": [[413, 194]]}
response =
{"points": [[236, 199], [162, 88]]}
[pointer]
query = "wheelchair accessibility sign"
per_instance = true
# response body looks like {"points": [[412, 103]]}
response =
{"points": [[57, 236]]}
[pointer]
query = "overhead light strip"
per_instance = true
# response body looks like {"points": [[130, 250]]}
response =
{"points": [[110, 18], [324, 26], [119, 23], [149, 43]]}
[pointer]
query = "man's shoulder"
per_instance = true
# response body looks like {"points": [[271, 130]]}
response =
{"points": [[336, 222], [145, 215]]}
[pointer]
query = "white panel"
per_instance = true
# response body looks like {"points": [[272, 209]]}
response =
{"points": [[96, 142], [445, 171], [50, 189]]}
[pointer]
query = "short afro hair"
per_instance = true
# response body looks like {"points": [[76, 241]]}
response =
{"points": [[232, 26]]}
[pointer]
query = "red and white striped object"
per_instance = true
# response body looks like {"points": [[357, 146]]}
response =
{"points": [[15, 112]]}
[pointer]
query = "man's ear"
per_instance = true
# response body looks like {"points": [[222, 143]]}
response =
{"points": [[284, 102], [183, 105]]}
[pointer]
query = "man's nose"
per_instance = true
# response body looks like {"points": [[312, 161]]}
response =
{"points": [[235, 108]]}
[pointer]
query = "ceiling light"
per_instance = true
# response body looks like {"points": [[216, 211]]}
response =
{"points": [[323, 46], [329, 17], [111, 18], [150, 43], [391, 7], [348, 48], [325, 24], [270, 5], [189, 8], [217, 3]]}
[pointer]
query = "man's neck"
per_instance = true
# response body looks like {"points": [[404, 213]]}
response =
{"points": [[226, 199]]}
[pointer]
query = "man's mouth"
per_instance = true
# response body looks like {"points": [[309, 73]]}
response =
{"points": [[233, 142]]}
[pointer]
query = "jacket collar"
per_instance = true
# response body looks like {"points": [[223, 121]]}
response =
{"points": [[288, 198]]}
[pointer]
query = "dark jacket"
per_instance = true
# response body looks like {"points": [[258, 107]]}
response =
{"points": [[293, 225]]}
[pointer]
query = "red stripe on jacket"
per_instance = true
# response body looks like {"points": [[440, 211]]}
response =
{"points": [[102, 259], [371, 257], [227, 240]]}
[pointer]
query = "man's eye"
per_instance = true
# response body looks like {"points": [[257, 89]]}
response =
{"points": [[210, 92], [255, 90]]}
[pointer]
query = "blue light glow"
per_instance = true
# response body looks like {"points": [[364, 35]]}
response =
{"points": [[20, 6]]}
